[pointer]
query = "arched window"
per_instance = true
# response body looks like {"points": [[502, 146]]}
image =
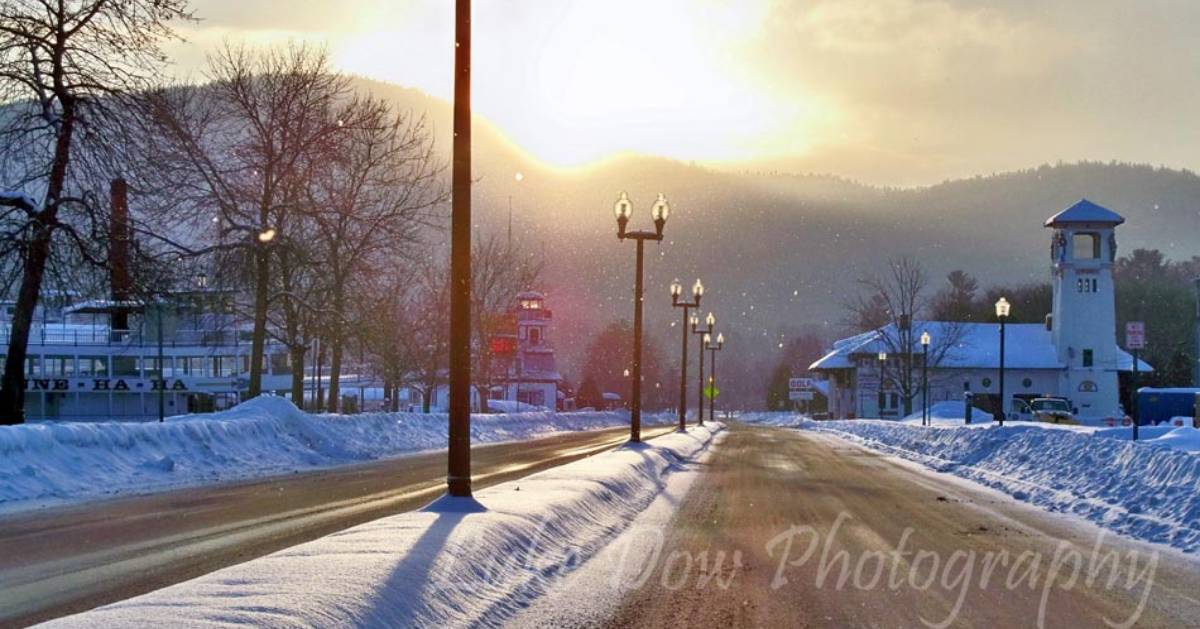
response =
{"points": [[1086, 246]]}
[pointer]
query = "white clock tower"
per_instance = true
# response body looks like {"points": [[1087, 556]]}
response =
{"points": [[1083, 323]]}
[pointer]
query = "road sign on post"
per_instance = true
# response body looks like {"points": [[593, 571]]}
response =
{"points": [[1135, 335], [1135, 339], [800, 396], [800, 384]]}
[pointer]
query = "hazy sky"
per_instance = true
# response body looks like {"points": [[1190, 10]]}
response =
{"points": [[887, 91]]}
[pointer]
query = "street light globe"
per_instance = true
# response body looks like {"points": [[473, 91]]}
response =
{"points": [[694, 320], [711, 320], [661, 209], [623, 209], [676, 288], [708, 339], [926, 339], [1003, 308], [882, 356], [267, 235], [721, 339], [698, 289]]}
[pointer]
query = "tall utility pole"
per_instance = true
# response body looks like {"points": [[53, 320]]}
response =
{"points": [[458, 479]]}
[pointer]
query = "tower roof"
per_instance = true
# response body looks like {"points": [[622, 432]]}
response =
{"points": [[1085, 212]]}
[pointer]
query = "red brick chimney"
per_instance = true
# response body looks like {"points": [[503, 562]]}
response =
{"points": [[118, 252]]}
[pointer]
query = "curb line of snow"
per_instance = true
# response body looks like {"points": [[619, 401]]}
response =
{"points": [[60, 462], [457, 562]]}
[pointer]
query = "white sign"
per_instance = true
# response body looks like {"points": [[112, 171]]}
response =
{"points": [[800, 396], [1135, 335], [799, 384]]}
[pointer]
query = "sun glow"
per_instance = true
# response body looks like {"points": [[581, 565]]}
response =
{"points": [[575, 82]]}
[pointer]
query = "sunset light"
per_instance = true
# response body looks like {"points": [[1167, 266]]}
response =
{"points": [[359, 314]]}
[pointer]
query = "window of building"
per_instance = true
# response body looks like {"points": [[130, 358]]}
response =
{"points": [[125, 365], [1027, 382], [93, 366], [1087, 285], [196, 366], [281, 364], [987, 382], [59, 366], [1086, 246], [1087, 358], [535, 336]]}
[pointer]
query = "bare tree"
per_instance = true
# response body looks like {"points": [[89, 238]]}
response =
{"points": [[375, 190], [241, 147], [70, 70], [896, 304]]}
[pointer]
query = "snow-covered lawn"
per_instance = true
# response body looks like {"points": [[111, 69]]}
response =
{"points": [[1149, 490], [53, 462], [456, 563]]}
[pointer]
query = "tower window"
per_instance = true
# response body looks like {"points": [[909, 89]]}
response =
{"points": [[1087, 285], [535, 336], [1087, 358], [1086, 246]]}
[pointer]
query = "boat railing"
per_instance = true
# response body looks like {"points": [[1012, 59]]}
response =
{"points": [[88, 335]]}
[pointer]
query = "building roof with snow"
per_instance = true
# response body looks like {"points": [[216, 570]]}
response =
{"points": [[1085, 212], [977, 346]]}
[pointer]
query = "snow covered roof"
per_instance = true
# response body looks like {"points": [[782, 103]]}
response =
{"points": [[1027, 346], [530, 294], [104, 306], [1085, 212]]}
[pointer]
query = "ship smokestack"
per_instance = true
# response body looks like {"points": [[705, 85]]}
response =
{"points": [[121, 285]]}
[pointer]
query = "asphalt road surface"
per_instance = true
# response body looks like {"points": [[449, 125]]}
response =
{"points": [[63, 560], [765, 488]]}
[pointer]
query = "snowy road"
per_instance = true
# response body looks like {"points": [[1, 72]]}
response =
{"points": [[63, 560], [807, 530]]}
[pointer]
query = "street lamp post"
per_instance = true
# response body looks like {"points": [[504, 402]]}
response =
{"points": [[712, 378], [1002, 310], [926, 416], [882, 376], [697, 293], [623, 209], [709, 322], [458, 477]]}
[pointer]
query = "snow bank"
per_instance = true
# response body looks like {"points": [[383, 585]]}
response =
{"points": [[1141, 489], [456, 563], [264, 436], [952, 411]]}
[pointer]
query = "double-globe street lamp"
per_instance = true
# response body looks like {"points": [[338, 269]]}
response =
{"points": [[703, 333], [697, 293], [712, 378], [926, 416], [623, 209], [1002, 310]]}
